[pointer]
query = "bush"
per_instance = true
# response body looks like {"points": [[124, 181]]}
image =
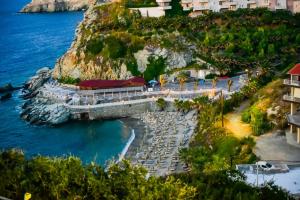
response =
{"points": [[246, 116], [210, 76], [259, 122], [161, 103], [69, 80], [68, 178], [114, 47], [133, 67], [94, 46], [155, 68]]}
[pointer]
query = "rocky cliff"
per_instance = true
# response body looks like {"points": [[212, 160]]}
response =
{"points": [[110, 45], [57, 5]]}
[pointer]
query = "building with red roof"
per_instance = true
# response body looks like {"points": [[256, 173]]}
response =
{"points": [[295, 70], [294, 99], [109, 84]]}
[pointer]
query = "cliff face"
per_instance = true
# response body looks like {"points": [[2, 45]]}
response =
{"points": [[57, 5], [108, 45]]}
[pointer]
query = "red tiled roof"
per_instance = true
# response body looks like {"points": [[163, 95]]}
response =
{"points": [[106, 84], [295, 70]]}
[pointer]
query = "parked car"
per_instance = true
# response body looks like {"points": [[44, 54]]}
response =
{"points": [[267, 167]]}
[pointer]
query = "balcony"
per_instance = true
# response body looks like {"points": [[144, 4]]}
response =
{"points": [[280, 7], [294, 119], [224, 7], [251, 2], [163, 1], [165, 7], [291, 82], [201, 1], [186, 1], [187, 8], [291, 98], [201, 8]]}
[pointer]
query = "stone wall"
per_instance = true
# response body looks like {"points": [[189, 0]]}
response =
{"points": [[116, 110]]}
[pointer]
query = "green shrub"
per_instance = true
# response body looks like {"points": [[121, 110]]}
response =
{"points": [[68, 178], [155, 68], [246, 116], [114, 47], [210, 76], [69, 80], [94, 46], [133, 67], [161, 103], [259, 122]]}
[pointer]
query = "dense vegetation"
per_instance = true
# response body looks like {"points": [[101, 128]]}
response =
{"points": [[268, 97], [231, 41], [67, 178], [139, 3], [213, 149]]}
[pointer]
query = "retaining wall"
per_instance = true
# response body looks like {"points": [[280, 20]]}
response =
{"points": [[116, 110]]}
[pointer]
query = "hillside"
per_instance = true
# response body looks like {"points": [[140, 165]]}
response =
{"points": [[114, 42]]}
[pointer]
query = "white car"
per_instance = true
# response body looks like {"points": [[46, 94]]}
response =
{"points": [[267, 167]]}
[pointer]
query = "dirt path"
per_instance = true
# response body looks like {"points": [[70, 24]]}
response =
{"points": [[234, 124]]}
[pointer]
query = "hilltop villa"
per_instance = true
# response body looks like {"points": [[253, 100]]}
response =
{"points": [[204, 6], [294, 99], [198, 7]]}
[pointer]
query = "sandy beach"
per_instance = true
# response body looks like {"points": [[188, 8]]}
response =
{"points": [[159, 137]]}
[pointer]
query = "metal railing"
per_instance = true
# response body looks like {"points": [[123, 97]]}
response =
{"points": [[291, 98], [291, 82]]}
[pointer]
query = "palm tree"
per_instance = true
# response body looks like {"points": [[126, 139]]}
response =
{"points": [[162, 81], [229, 84], [196, 85], [182, 77], [214, 85]]}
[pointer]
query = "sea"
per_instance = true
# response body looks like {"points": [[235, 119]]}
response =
{"points": [[27, 43]]}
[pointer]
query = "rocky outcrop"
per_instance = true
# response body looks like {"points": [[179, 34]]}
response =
{"points": [[173, 59], [38, 80], [79, 63], [39, 109], [57, 5]]}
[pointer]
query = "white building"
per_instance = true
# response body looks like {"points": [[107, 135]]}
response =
{"points": [[199, 7]]}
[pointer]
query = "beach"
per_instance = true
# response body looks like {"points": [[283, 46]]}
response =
{"points": [[159, 137]]}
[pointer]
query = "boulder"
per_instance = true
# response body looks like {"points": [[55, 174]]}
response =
{"points": [[5, 96], [6, 88]]}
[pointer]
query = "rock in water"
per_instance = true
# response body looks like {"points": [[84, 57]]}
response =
{"points": [[5, 96], [57, 5], [6, 88]]}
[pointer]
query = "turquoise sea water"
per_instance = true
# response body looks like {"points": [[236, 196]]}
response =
{"points": [[27, 43]]}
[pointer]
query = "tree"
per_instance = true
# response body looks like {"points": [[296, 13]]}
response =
{"points": [[155, 68], [182, 77], [229, 84], [214, 85], [162, 81], [161, 103]]}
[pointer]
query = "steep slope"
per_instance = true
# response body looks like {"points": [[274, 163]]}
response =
{"points": [[114, 42], [57, 5]]}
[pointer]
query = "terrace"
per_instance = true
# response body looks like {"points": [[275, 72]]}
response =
{"points": [[290, 98], [289, 82], [294, 119]]}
